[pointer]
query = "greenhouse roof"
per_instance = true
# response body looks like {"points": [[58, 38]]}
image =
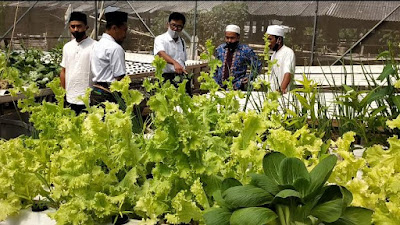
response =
{"points": [[362, 10]]}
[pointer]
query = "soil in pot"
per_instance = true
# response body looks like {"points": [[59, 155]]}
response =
{"points": [[120, 220], [39, 206]]}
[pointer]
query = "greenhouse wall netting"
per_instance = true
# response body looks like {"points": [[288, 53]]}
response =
{"points": [[363, 28]]}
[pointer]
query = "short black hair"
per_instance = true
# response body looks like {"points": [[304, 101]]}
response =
{"points": [[117, 18], [276, 37], [78, 16], [177, 16]]}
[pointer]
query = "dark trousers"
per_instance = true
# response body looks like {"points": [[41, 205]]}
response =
{"points": [[98, 96], [77, 108], [172, 79]]}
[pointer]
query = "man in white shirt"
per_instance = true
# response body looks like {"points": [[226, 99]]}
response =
{"points": [[108, 57], [75, 74], [282, 72], [171, 47]]}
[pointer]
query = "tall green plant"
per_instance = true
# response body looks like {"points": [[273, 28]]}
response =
{"points": [[308, 108]]}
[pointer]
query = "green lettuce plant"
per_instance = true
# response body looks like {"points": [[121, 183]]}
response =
{"points": [[94, 166], [378, 186], [287, 194], [86, 166], [195, 143]]}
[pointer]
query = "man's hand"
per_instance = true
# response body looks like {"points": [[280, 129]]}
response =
{"points": [[285, 83], [245, 80], [281, 90], [179, 69]]}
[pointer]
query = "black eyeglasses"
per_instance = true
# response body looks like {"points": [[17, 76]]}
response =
{"points": [[179, 27]]}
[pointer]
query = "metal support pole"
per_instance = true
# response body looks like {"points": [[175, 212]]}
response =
{"points": [[314, 34], [194, 32], [19, 19], [365, 35], [96, 15], [137, 14]]}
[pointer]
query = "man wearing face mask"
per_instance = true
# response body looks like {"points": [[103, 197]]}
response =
{"points": [[108, 60], [75, 74], [236, 59], [282, 72], [172, 48]]}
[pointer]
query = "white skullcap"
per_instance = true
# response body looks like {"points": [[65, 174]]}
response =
{"points": [[233, 28], [277, 30]]}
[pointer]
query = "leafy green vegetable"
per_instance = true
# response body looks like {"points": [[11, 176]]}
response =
{"points": [[311, 202]]}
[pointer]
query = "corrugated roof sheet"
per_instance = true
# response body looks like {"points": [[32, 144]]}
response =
{"points": [[361, 10], [365, 10], [278, 8]]}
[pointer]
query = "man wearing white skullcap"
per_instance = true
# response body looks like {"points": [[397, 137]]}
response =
{"points": [[233, 28], [282, 71], [236, 59]]}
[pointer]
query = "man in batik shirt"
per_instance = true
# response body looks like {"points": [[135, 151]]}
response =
{"points": [[236, 59]]}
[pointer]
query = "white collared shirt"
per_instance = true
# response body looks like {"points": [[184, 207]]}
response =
{"points": [[285, 64], [176, 50], [76, 61], [108, 60]]}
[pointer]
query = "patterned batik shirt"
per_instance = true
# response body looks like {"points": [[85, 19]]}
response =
{"points": [[243, 58]]}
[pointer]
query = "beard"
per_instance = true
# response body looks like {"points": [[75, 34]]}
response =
{"points": [[275, 48]]}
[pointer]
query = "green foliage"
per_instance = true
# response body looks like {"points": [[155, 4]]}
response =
{"points": [[86, 166], [302, 198], [311, 109], [378, 187], [214, 21], [34, 68], [191, 139], [362, 111], [366, 111], [199, 154], [17, 175], [357, 107]]}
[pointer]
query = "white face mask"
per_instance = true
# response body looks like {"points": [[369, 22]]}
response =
{"points": [[172, 33]]}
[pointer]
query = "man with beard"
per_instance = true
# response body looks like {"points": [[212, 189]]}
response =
{"points": [[236, 59], [75, 74], [108, 57], [171, 47], [282, 72]]}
